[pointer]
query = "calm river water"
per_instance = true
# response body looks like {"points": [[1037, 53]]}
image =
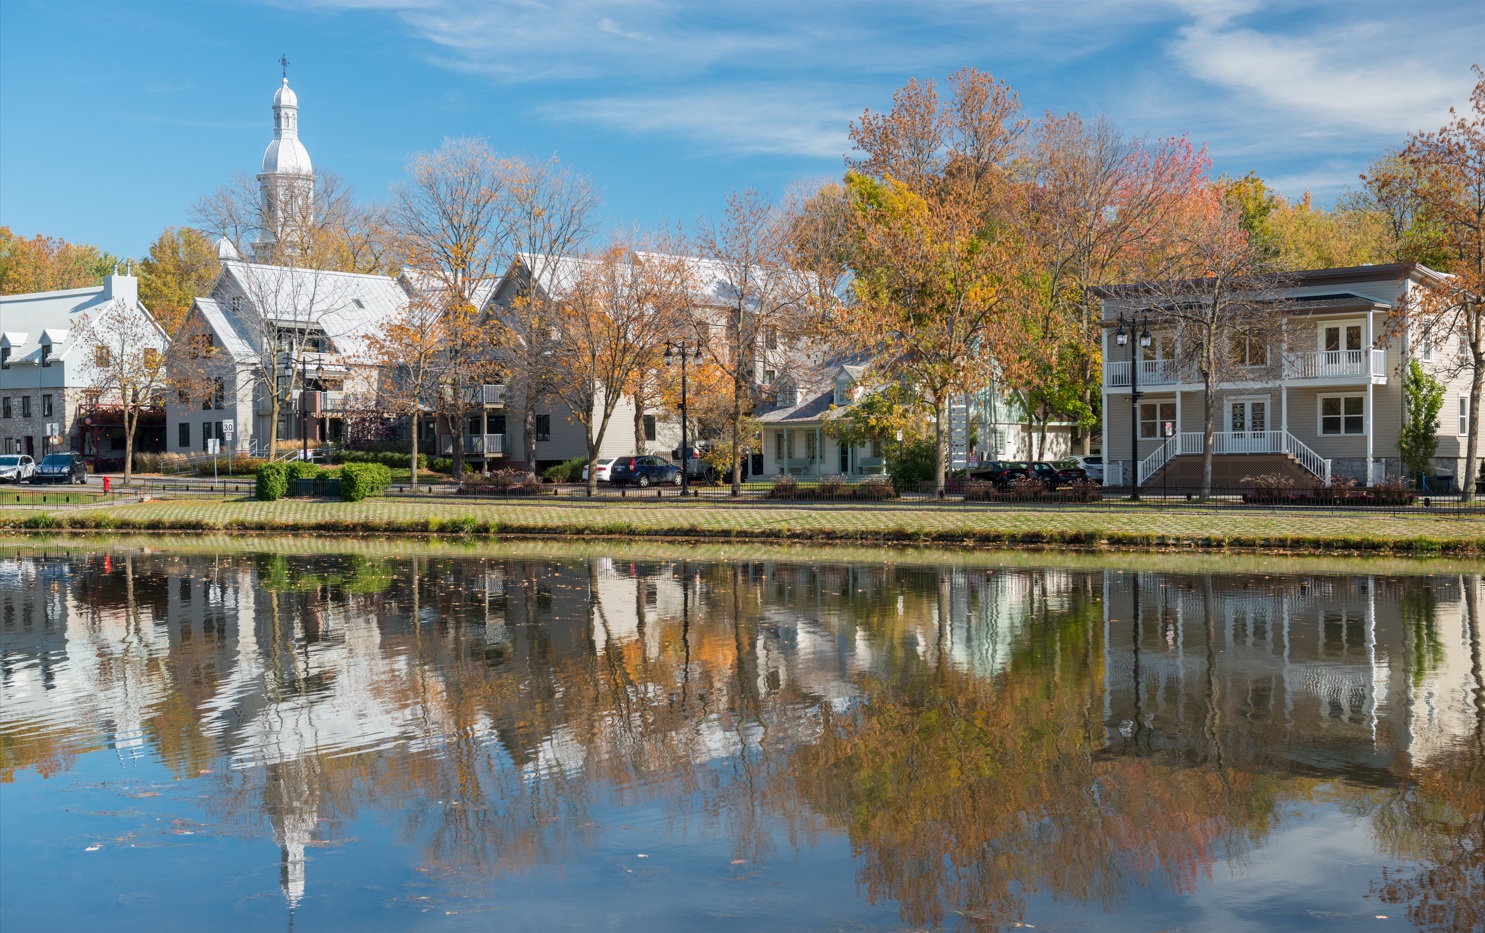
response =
{"points": [[523, 738]]}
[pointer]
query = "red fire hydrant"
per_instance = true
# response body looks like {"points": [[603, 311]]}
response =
{"points": [[105, 484]]}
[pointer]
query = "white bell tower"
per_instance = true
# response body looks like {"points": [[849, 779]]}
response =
{"points": [[286, 184]]}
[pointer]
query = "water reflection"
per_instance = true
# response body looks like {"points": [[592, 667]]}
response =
{"points": [[993, 743]]}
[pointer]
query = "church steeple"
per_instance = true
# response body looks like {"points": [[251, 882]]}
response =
{"points": [[286, 182]]}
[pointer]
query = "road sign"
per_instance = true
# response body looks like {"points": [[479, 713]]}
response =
{"points": [[1168, 429], [213, 446], [227, 429]]}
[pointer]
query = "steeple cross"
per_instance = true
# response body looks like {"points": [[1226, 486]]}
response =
{"points": [[284, 60]]}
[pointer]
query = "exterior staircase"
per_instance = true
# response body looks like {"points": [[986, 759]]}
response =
{"points": [[1229, 471]]}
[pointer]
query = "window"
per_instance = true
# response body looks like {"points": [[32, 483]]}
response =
{"points": [[1250, 351], [771, 337], [768, 377], [8, 412], [1464, 416], [1162, 347], [649, 427], [46, 406], [778, 444], [1152, 414], [842, 391], [4, 357], [25, 406], [1342, 414], [184, 440], [218, 399], [46, 354], [1338, 337], [543, 427], [809, 445], [1464, 346], [1425, 348]]}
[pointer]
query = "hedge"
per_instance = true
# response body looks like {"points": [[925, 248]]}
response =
{"points": [[272, 481], [568, 471], [360, 480], [388, 458]]}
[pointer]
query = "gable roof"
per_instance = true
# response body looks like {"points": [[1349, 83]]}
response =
{"points": [[34, 318], [348, 306]]}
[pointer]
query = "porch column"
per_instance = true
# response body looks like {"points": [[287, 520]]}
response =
{"points": [[1370, 419], [1177, 438], [819, 451], [1284, 408]]}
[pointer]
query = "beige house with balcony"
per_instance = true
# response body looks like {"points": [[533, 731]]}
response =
{"points": [[1323, 399]]}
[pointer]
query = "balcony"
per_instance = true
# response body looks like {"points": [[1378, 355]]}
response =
{"points": [[491, 396], [1337, 364], [1322, 366], [1151, 373], [477, 445]]}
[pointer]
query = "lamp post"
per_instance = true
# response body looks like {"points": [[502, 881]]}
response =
{"points": [[304, 404], [685, 353], [1121, 337]]}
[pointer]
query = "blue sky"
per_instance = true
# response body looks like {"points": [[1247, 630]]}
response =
{"points": [[115, 116]]}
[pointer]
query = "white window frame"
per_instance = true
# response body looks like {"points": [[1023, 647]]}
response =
{"points": [[1158, 406], [1342, 326], [1464, 416], [1320, 415]]}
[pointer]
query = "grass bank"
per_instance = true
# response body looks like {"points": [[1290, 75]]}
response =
{"points": [[940, 524]]}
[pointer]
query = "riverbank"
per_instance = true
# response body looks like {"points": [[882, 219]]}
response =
{"points": [[1094, 527]]}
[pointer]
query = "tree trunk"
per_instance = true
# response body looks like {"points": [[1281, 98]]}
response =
{"points": [[1472, 437], [130, 423], [737, 418], [1208, 404], [412, 461], [1041, 440], [1087, 433], [940, 444], [639, 423], [528, 416]]}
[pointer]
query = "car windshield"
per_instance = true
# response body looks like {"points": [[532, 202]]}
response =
{"points": [[57, 460], [10, 461]]}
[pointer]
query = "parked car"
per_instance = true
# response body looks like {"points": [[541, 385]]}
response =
{"points": [[1092, 466], [61, 468], [605, 466], [16, 468], [1001, 472], [696, 465], [644, 471], [1054, 475]]}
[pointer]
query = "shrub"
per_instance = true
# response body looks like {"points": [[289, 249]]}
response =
{"points": [[911, 463], [272, 482], [240, 466], [162, 463], [1026, 487], [876, 487], [396, 459], [785, 487], [568, 471], [1392, 491], [832, 487], [360, 480], [441, 464], [1267, 487], [303, 469], [979, 490], [1081, 490]]}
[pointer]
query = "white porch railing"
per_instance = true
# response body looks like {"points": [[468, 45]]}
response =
{"points": [[490, 445], [1327, 364], [492, 394], [1151, 373], [1189, 443]]}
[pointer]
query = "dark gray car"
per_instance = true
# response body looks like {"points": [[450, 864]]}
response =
{"points": [[61, 468]]}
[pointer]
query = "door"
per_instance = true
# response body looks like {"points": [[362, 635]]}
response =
{"points": [[1341, 346], [1247, 426], [845, 458]]}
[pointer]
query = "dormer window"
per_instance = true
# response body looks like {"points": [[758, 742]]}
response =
{"points": [[4, 357], [46, 354], [843, 395], [788, 395]]}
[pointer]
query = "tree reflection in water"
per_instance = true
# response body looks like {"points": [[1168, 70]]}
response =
{"points": [[984, 736]]}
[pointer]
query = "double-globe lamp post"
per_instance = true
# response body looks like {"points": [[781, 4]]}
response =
{"points": [[685, 352], [1121, 337], [304, 403]]}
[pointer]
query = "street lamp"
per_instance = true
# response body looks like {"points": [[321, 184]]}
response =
{"points": [[304, 404], [685, 353], [1121, 337]]}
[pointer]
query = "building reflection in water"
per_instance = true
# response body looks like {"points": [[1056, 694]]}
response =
{"points": [[978, 733]]}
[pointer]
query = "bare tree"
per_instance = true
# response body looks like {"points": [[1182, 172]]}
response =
{"points": [[408, 354], [1214, 288], [619, 311], [451, 220], [748, 302], [126, 363], [547, 217]]}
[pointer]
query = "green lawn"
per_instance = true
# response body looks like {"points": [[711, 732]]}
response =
{"points": [[46, 495], [943, 523]]}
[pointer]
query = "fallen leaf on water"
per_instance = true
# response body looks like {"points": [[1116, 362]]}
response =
{"points": [[92, 848]]}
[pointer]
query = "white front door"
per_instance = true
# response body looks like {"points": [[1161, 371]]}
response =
{"points": [[1247, 426]]}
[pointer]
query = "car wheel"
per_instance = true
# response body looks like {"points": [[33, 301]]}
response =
{"points": [[644, 480], [676, 479]]}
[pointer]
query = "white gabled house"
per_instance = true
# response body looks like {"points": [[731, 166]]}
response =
{"points": [[49, 398]]}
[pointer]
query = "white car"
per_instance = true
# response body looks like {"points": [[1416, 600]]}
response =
{"points": [[15, 468], [1093, 466], [605, 466]]}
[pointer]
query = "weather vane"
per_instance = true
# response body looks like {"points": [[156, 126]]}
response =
{"points": [[284, 60]]}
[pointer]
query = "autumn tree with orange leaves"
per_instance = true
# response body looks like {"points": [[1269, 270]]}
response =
{"points": [[1444, 173], [934, 264]]}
